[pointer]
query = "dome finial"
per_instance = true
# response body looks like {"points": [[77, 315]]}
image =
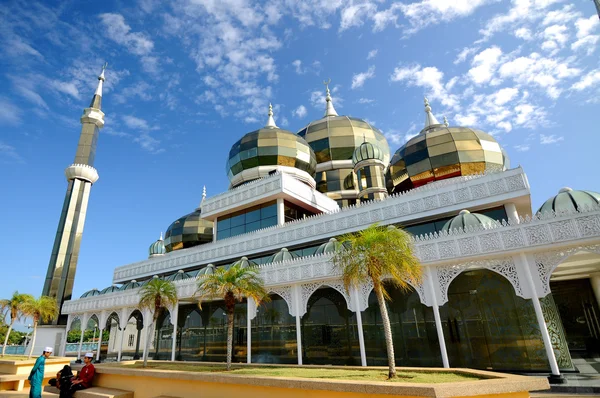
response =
{"points": [[161, 237], [203, 193], [430, 120], [329, 109], [97, 98], [271, 121], [446, 121]]}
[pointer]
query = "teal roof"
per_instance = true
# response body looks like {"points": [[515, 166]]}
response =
{"points": [[91, 293], [208, 270], [110, 289], [181, 275], [568, 200], [243, 263], [367, 151], [282, 255], [157, 248], [466, 219], [131, 285], [330, 246]]}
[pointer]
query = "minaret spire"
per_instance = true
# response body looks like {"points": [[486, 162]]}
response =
{"points": [[329, 109], [271, 121], [97, 99], [81, 175], [446, 121], [430, 120]]}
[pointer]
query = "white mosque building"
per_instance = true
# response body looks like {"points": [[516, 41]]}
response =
{"points": [[506, 287]]}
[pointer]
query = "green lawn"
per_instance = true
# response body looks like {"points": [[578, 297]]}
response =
{"points": [[15, 358], [318, 373]]}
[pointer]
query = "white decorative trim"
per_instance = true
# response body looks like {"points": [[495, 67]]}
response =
{"points": [[81, 172]]}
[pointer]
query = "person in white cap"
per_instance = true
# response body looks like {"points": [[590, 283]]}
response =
{"points": [[36, 376], [85, 375]]}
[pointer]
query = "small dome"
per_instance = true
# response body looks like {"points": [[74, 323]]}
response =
{"points": [[130, 285], [367, 151], [568, 200], [330, 246], [157, 248], [180, 275], [242, 263], [91, 293], [261, 152], [208, 270], [144, 283], [110, 289], [282, 255], [188, 231], [466, 219]]}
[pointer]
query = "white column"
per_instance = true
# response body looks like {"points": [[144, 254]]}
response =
{"points": [[359, 325], [215, 229], [80, 341], [99, 345], [280, 212], [146, 337], [299, 339], [540, 316], [121, 342], [511, 211], [174, 316], [438, 319], [248, 333], [595, 281]]}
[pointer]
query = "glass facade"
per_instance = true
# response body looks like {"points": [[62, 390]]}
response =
{"points": [[163, 338], [293, 212], [329, 332], [413, 331], [486, 326], [248, 220], [274, 333], [202, 333]]}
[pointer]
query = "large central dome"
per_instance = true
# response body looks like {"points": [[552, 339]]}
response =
{"points": [[269, 149]]}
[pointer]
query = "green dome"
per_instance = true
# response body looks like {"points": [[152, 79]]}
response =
{"points": [[367, 151], [91, 293], [282, 255], [188, 231], [208, 270], [569, 200], [130, 285], [157, 248], [180, 275], [243, 263], [466, 219], [110, 289], [330, 246]]}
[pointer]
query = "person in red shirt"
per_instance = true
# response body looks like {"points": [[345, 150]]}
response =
{"points": [[85, 376]]}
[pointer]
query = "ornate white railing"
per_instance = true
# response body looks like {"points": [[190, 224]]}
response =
{"points": [[445, 197]]}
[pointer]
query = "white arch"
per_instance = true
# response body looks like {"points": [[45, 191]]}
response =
{"points": [[307, 290], [285, 292], [366, 289], [547, 262]]}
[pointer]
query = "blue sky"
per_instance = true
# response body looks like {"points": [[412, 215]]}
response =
{"points": [[188, 78]]}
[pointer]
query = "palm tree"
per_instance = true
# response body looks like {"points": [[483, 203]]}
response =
{"points": [[157, 295], [379, 253], [232, 284], [42, 309], [12, 307]]}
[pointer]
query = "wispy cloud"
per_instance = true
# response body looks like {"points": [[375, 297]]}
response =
{"points": [[359, 79], [300, 111], [550, 139], [9, 154], [9, 112], [120, 32], [372, 54]]}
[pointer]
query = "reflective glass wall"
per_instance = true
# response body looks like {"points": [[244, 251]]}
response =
{"points": [[248, 220], [274, 333], [486, 326], [202, 333], [329, 332], [163, 338], [413, 330]]}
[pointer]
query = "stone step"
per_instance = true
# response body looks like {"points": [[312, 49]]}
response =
{"points": [[95, 392]]}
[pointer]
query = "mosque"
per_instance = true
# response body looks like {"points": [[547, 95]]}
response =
{"points": [[506, 287]]}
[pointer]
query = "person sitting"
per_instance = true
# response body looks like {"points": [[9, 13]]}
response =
{"points": [[84, 376]]}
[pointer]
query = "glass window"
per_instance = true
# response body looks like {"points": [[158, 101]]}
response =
{"points": [[268, 211], [253, 216]]}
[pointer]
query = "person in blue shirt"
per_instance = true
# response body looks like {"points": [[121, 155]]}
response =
{"points": [[36, 377]]}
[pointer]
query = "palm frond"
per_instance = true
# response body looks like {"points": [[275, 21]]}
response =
{"points": [[239, 281], [158, 294], [42, 309]]}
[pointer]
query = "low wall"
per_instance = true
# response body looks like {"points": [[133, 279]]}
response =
{"points": [[52, 366], [152, 383]]}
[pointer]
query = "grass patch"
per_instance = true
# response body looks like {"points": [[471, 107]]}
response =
{"points": [[15, 358], [317, 373]]}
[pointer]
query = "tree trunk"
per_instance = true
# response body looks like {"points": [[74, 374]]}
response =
{"points": [[33, 339], [230, 306], [7, 335], [387, 329], [148, 335]]}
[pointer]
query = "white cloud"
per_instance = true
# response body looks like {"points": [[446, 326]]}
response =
{"points": [[135, 123], [299, 112], [26, 88], [69, 88], [383, 18], [151, 64], [563, 15], [465, 52], [426, 12], [555, 37], [484, 65], [591, 79], [354, 15], [466, 120], [399, 137], [550, 139], [524, 34], [430, 78], [365, 101], [358, 80], [10, 154], [139, 90], [118, 31], [298, 67], [149, 143], [372, 54], [585, 37], [522, 147], [9, 112], [504, 95]]}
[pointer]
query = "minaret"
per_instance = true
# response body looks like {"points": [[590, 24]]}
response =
{"points": [[597, 3], [80, 176]]}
